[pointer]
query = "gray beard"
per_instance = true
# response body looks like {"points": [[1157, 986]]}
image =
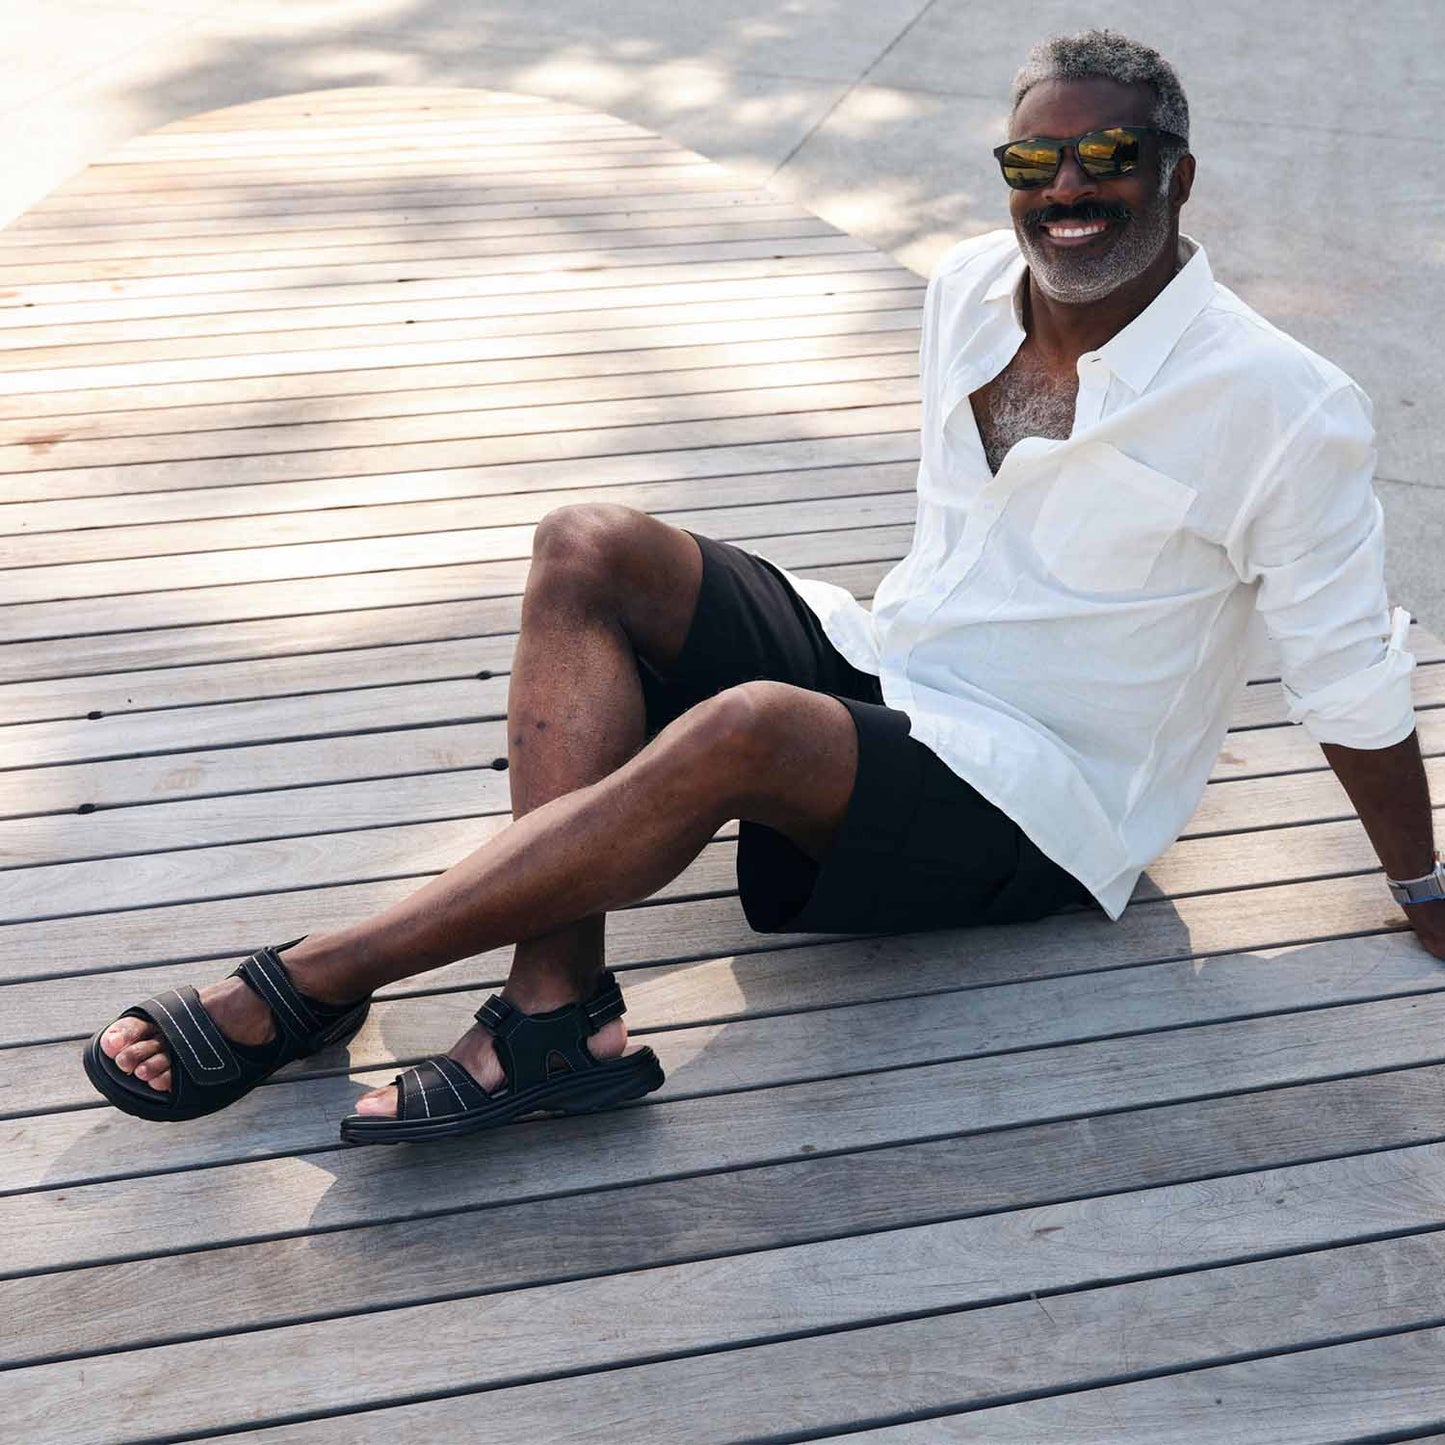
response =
{"points": [[1078, 280]]}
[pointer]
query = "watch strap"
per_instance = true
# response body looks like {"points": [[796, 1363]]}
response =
{"points": [[1419, 890]]}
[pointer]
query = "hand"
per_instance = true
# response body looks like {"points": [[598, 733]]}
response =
{"points": [[1428, 921]]}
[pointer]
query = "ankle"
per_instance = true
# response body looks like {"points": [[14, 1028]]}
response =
{"points": [[541, 992], [325, 970]]}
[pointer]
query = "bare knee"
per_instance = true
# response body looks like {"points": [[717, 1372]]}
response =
{"points": [[582, 548], [778, 755], [749, 732]]}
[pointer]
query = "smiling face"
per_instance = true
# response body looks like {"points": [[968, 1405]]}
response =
{"points": [[1083, 238]]}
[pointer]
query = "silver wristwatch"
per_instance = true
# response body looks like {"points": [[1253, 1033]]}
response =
{"points": [[1420, 890]]}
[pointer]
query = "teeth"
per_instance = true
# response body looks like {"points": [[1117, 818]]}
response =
{"points": [[1071, 231]]}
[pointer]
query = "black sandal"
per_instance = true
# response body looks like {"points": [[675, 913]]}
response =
{"points": [[208, 1070], [547, 1065]]}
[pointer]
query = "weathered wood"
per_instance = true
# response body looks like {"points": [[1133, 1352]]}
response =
{"points": [[399, 551], [403, 587], [262, 639], [893, 309], [77, 265], [1319, 1396], [414, 391], [107, 1221], [212, 1291], [763, 426], [299, 281], [1219, 1312], [582, 475], [26, 245], [754, 1049], [1231, 861], [268, 510], [499, 292]]}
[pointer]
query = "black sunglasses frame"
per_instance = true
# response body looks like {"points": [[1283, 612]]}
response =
{"points": [[1072, 143]]}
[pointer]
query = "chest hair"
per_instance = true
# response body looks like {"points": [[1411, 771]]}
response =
{"points": [[1023, 400]]}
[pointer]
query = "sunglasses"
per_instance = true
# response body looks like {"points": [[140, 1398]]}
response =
{"points": [[1103, 154]]}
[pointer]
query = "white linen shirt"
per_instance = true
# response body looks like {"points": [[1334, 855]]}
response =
{"points": [[1072, 635]]}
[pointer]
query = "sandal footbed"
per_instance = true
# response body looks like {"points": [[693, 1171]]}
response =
{"points": [[612, 1081]]}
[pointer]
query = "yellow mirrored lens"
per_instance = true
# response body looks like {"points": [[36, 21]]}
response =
{"points": [[1108, 152], [1030, 162]]}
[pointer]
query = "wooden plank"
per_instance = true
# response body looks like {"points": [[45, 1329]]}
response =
{"points": [[75, 970], [213, 1291], [345, 391], [136, 731], [1220, 1311], [24, 243], [106, 457], [754, 1050], [95, 218], [1321, 1396], [155, 307], [723, 433], [313, 266], [240, 817], [520, 176], [336, 753], [593, 477], [460, 543], [402, 587], [366, 627], [95, 262], [476, 164], [663, 500], [625, 289], [754, 288], [119, 1218], [1235, 861], [402, 390], [387, 347]]}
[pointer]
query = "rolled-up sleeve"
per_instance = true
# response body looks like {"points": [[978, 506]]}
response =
{"points": [[1315, 542]]}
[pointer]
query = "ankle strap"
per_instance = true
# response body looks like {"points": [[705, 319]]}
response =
{"points": [[496, 1015]]}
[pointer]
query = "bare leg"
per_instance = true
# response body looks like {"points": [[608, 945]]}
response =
{"points": [[607, 584]]}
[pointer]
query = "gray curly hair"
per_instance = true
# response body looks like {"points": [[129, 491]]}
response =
{"points": [[1108, 55]]}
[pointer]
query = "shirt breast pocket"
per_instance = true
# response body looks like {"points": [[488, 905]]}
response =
{"points": [[1106, 518]]}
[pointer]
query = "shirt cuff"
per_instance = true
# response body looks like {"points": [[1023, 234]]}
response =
{"points": [[1372, 708]]}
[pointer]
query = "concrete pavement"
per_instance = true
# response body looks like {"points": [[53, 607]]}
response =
{"points": [[1317, 125]]}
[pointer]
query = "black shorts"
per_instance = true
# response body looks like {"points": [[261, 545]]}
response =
{"points": [[919, 848]]}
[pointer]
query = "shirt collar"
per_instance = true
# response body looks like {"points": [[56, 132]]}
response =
{"points": [[1136, 353]]}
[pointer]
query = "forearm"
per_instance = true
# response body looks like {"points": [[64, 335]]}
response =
{"points": [[1392, 797]]}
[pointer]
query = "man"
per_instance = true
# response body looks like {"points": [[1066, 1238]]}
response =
{"points": [[1024, 720]]}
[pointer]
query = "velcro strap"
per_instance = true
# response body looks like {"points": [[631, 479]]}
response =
{"points": [[493, 1015], [265, 973], [196, 1044], [606, 1004]]}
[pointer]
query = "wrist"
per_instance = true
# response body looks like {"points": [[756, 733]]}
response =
{"points": [[1420, 888]]}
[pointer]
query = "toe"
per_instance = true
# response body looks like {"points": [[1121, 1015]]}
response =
{"points": [[154, 1064], [123, 1032], [379, 1103], [132, 1056], [160, 1082]]}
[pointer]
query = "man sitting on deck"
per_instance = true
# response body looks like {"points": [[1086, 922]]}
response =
{"points": [[1023, 721]]}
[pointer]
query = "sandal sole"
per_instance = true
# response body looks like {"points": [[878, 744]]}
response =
{"points": [[98, 1071], [625, 1079]]}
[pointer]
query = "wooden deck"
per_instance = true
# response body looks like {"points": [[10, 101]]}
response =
{"points": [[283, 391]]}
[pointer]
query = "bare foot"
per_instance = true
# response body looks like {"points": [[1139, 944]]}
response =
{"points": [[475, 1053], [137, 1046]]}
